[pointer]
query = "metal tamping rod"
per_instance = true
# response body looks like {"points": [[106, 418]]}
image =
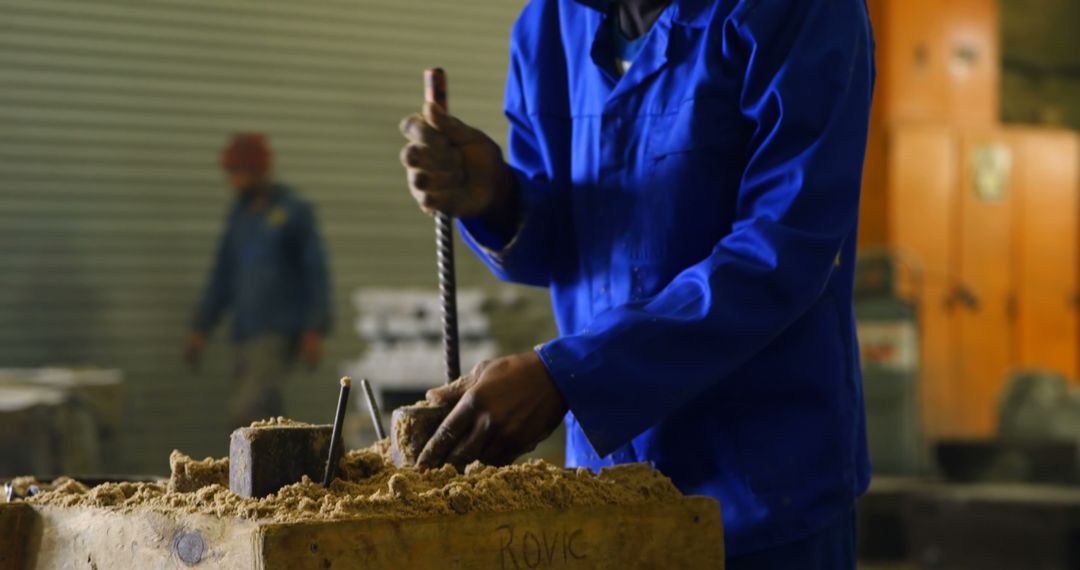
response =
{"points": [[373, 407], [335, 435], [435, 92]]}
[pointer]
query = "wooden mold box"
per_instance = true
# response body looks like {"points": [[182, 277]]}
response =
{"points": [[685, 534]]}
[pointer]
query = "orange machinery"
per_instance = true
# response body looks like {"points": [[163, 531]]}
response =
{"points": [[988, 214]]}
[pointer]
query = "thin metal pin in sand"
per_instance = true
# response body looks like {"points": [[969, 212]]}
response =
{"points": [[373, 408], [335, 435]]}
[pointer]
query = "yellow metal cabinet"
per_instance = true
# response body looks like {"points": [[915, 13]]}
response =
{"points": [[920, 222], [989, 220], [1048, 248], [980, 299], [937, 61]]}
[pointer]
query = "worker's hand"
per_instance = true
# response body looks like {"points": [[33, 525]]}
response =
{"points": [[193, 349], [504, 407], [451, 167], [310, 349]]}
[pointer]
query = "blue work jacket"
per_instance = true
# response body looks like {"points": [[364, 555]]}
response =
{"points": [[270, 271], [695, 221]]}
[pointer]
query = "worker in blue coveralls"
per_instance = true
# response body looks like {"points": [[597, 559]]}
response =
{"points": [[684, 177], [270, 271]]}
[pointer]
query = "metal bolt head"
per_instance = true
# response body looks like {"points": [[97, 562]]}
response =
{"points": [[190, 547]]}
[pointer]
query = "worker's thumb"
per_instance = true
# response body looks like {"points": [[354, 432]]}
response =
{"points": [[449, 394], [458, 132]]}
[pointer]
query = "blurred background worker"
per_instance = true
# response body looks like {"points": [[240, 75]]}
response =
{"points": [[271, 272], [688, 189]]}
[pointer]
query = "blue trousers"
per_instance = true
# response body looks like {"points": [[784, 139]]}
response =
{"points": [[831, 549]]}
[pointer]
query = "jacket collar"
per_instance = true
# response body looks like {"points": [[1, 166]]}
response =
{"points": [[688, 12]]}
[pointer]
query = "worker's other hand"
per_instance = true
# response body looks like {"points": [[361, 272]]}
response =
{"points": [[193, 350], [310, 349], [503, 408], [451, 167]]}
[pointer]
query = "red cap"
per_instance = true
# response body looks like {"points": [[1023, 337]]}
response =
{"points": [[248, 151]]}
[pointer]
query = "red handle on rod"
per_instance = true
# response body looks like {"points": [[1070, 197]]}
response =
{"points": [[435, 87]]}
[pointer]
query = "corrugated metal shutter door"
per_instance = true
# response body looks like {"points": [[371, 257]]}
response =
{"points": [[112, 114]]}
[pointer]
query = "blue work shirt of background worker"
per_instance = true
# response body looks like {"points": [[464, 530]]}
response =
{"points": [[270, 270], [695, 222]]}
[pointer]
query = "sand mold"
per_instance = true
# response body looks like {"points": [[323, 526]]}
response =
{"points": [[369, 486]]}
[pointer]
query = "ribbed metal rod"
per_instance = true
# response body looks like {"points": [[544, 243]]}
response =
{"points": [[435, 92], [444, 238]]}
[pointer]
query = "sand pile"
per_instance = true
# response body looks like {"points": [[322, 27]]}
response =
{"points": [[189, 475], [278, 421], [369, 486], [22, 485]]}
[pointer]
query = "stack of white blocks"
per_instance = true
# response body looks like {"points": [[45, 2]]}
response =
{"points": [[402, 331]]}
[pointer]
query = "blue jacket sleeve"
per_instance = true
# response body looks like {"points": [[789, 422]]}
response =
{"points": [[808, 77], [217, 296], [524, 257], [316, 278]]}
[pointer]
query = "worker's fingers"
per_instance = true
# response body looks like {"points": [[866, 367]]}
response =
{"points": [[500, 452], [494, 452], [424, 157], [512, 440], [503, 458], [431, 201], [458, 132], [479, 368], [473, 446], [458, 424], [451, 393], [435, 180], [417, 130]]}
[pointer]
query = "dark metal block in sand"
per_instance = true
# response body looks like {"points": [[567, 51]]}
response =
{"points": [[262, 460]]}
